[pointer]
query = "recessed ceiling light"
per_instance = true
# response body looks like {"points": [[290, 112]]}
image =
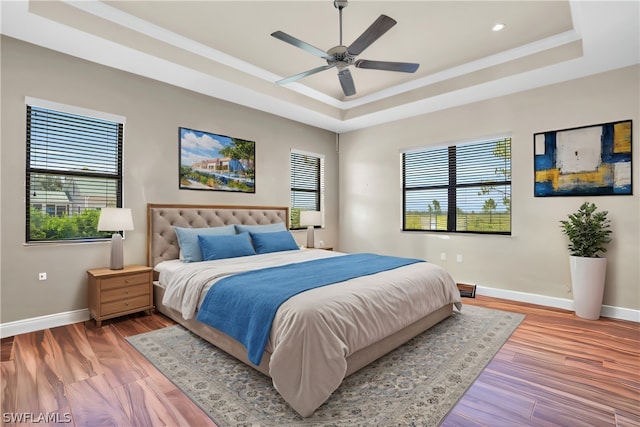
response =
{"points": [[498, 27]]}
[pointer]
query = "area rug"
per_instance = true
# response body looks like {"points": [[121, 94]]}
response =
{"points": [[416, 384]]}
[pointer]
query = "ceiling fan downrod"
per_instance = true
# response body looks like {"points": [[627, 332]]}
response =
{"points": [[340, 4]]}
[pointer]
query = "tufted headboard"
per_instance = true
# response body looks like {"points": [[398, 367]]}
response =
{"points": [[162, 242]]}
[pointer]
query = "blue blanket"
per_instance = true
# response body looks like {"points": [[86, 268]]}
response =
{"points": [[245, 304]]}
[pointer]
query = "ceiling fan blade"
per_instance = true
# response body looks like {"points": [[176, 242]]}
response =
{"points": [[371, 34], [302, 45], [304, 74], [346, 81], [403, 67]]}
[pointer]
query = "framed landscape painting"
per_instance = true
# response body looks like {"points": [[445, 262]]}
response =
{"points": [[586, 161], [213, 162]]}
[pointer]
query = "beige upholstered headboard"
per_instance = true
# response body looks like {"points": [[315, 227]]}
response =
{"points": [[162, 242]]}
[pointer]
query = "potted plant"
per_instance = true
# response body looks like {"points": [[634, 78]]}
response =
{"points": [[588, 232]]}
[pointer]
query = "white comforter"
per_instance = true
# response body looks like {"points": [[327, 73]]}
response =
{"points": [[314, 332]]}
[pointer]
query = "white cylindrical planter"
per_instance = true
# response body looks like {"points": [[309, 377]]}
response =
{"points": [[587, 282]]}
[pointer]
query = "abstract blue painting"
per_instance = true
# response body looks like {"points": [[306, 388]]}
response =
{"points": [[585, 161]]}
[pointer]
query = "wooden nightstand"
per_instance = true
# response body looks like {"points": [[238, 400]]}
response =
{"points": [[114, 293]]}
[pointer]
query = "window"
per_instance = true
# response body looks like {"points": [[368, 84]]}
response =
{"points": [[73, 169], [460, 188], [307, 184]]}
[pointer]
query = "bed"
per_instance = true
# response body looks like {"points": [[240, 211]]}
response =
{"points": [[319, 336]]}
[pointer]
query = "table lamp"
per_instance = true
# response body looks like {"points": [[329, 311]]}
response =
{"points": [[310, 219], [115, 219]]}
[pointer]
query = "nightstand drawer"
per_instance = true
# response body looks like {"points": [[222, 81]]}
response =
{"points": [[140, 302], [122, 281], [125, 293]]}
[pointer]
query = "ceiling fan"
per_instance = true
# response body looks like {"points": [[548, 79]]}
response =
{"points": [[341, 57]]}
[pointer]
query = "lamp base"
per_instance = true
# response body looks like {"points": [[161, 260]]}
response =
{"points": [[117, 258], [310, 232]]}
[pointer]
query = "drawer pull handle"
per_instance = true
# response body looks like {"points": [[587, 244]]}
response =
{"points": [[126, 303]]}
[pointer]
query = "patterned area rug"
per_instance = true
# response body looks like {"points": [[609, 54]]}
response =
{"points": [[416, 384]]}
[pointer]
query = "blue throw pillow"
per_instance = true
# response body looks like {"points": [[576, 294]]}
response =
{"points": [[268, 228], [273, 242], [188, 240], [221, 247]]}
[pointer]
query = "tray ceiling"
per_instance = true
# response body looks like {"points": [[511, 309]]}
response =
{"points": [[224, 49]]}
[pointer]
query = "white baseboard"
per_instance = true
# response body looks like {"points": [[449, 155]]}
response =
{"points": [[43, 322], [563, 303], [60, 319]]}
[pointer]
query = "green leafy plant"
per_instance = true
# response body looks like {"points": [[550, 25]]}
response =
{"points": [[588, 231]]}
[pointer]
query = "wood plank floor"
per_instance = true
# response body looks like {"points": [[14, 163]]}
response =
{"points": [[556, 369]]}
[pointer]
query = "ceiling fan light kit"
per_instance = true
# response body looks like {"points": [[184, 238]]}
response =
{"points": [[341, 57]]}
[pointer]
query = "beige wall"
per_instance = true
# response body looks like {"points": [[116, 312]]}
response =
{"points": [[534, 259], [153, 111]]}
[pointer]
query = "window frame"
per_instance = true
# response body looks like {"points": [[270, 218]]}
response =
{"points": [[31, 147], [452, 186], [319, 190]]}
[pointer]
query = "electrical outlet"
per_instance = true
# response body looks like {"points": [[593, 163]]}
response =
{"points": [[42, 276], [459, 257], [443, 256]]}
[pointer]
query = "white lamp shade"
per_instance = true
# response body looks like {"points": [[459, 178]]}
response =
{"points": [[310, 218], [115, 219]]}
